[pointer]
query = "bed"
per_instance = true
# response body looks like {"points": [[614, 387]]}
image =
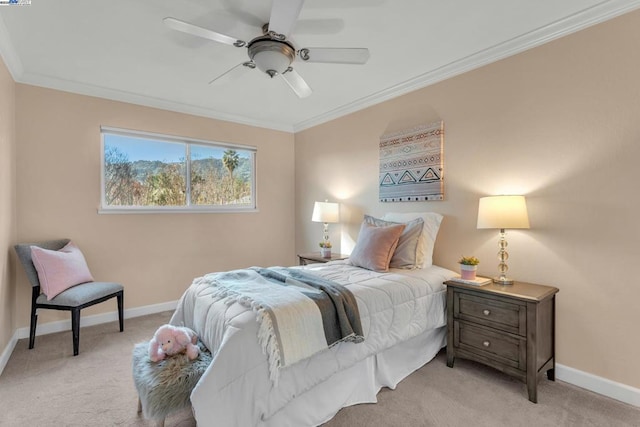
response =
{"points": [[403, 317]]}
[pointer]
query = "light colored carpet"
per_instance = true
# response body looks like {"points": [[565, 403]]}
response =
{"points": [[47, 386]]}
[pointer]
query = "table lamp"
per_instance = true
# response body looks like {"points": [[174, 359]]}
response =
{"points": [[503, 212], [326, 212]]}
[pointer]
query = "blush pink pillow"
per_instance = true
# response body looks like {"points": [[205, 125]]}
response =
{"points": [[375, 246], [60, 270]]}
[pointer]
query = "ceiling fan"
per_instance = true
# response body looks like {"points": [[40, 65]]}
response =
{"points": [[273, 52]]}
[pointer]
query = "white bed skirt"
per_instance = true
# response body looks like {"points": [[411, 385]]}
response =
{"points": [[403, 318], [361, 382]]}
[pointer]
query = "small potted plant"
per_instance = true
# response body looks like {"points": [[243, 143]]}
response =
{"points": [[325, 249], [468, 267]]}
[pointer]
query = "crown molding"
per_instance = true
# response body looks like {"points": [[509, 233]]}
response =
{"points": [[594, 15], [144, 100], [560, 28], [13, 63]]}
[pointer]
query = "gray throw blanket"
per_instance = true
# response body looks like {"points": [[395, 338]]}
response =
{"points": [[337, 305], [299, 314]]}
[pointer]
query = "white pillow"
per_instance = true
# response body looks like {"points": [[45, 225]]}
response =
{"points": [[430, 229], [406, 253]]}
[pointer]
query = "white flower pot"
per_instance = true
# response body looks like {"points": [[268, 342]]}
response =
{"points": [[325, 252], [468, 272]]}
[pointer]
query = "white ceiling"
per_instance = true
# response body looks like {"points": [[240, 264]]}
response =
{"points": [[121, 50]]}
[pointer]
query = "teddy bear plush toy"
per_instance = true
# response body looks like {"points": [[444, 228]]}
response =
{"points": [[170, 340]]}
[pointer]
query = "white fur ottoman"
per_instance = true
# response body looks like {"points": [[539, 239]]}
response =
{"points": [[166, 386]]}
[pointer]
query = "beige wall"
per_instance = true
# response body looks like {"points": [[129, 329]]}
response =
{"points": [[560, 124], [155, 256], [7, 203]]}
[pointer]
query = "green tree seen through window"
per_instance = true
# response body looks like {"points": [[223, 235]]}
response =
{"points": [[146, 173]]}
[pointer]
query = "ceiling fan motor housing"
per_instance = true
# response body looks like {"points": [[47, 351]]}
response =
{"points": [[271, 56]]}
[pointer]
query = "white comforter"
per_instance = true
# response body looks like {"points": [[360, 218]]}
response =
{"points": [[236, 390]]}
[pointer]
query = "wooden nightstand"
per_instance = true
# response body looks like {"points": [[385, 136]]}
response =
{"points": [[508, 327], [315, 257]]}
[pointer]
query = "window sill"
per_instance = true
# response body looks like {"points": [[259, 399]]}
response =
{"points": [[174, 210]]}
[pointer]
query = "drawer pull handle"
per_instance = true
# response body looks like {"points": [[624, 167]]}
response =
{"points": [[486, 312], [486, 343]]}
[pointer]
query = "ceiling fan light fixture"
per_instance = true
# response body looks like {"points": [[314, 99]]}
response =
{"points": [[272, 52], [271, 56]]}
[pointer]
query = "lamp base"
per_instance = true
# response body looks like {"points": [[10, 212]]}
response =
{"points": [[502, 281]]}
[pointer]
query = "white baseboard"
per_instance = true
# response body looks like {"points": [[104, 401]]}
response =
{"points": [[596, 384], [6, 354], [600, 385], [96, 319]]}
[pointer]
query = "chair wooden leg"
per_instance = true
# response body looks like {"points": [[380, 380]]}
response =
{"points": [[75, 328], [120, 299], [32, 329], [35, 292], [139, 405]]}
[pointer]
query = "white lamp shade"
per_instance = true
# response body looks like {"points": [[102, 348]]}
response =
{"points": [[503, 212], [326, 212]]}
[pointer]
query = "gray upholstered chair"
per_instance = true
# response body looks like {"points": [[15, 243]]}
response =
{"points": [[73, 299]]}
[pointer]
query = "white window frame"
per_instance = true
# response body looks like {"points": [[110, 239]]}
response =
{"points": [[188, 208]]}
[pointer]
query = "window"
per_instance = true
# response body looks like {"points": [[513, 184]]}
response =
{"points": [[157, 173]]}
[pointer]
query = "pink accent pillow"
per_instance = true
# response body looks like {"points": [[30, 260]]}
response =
{"points": [[60, 270], [406, 253], [375, 246]]}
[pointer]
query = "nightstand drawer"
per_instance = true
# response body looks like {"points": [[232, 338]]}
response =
{"points": [[496, 346], [492, 312], [510, 328]]}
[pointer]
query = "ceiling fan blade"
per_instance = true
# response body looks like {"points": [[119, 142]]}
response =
{"points": [[296, 82], [284, 14], [194, 30], [234, 73], [335, 55]]}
